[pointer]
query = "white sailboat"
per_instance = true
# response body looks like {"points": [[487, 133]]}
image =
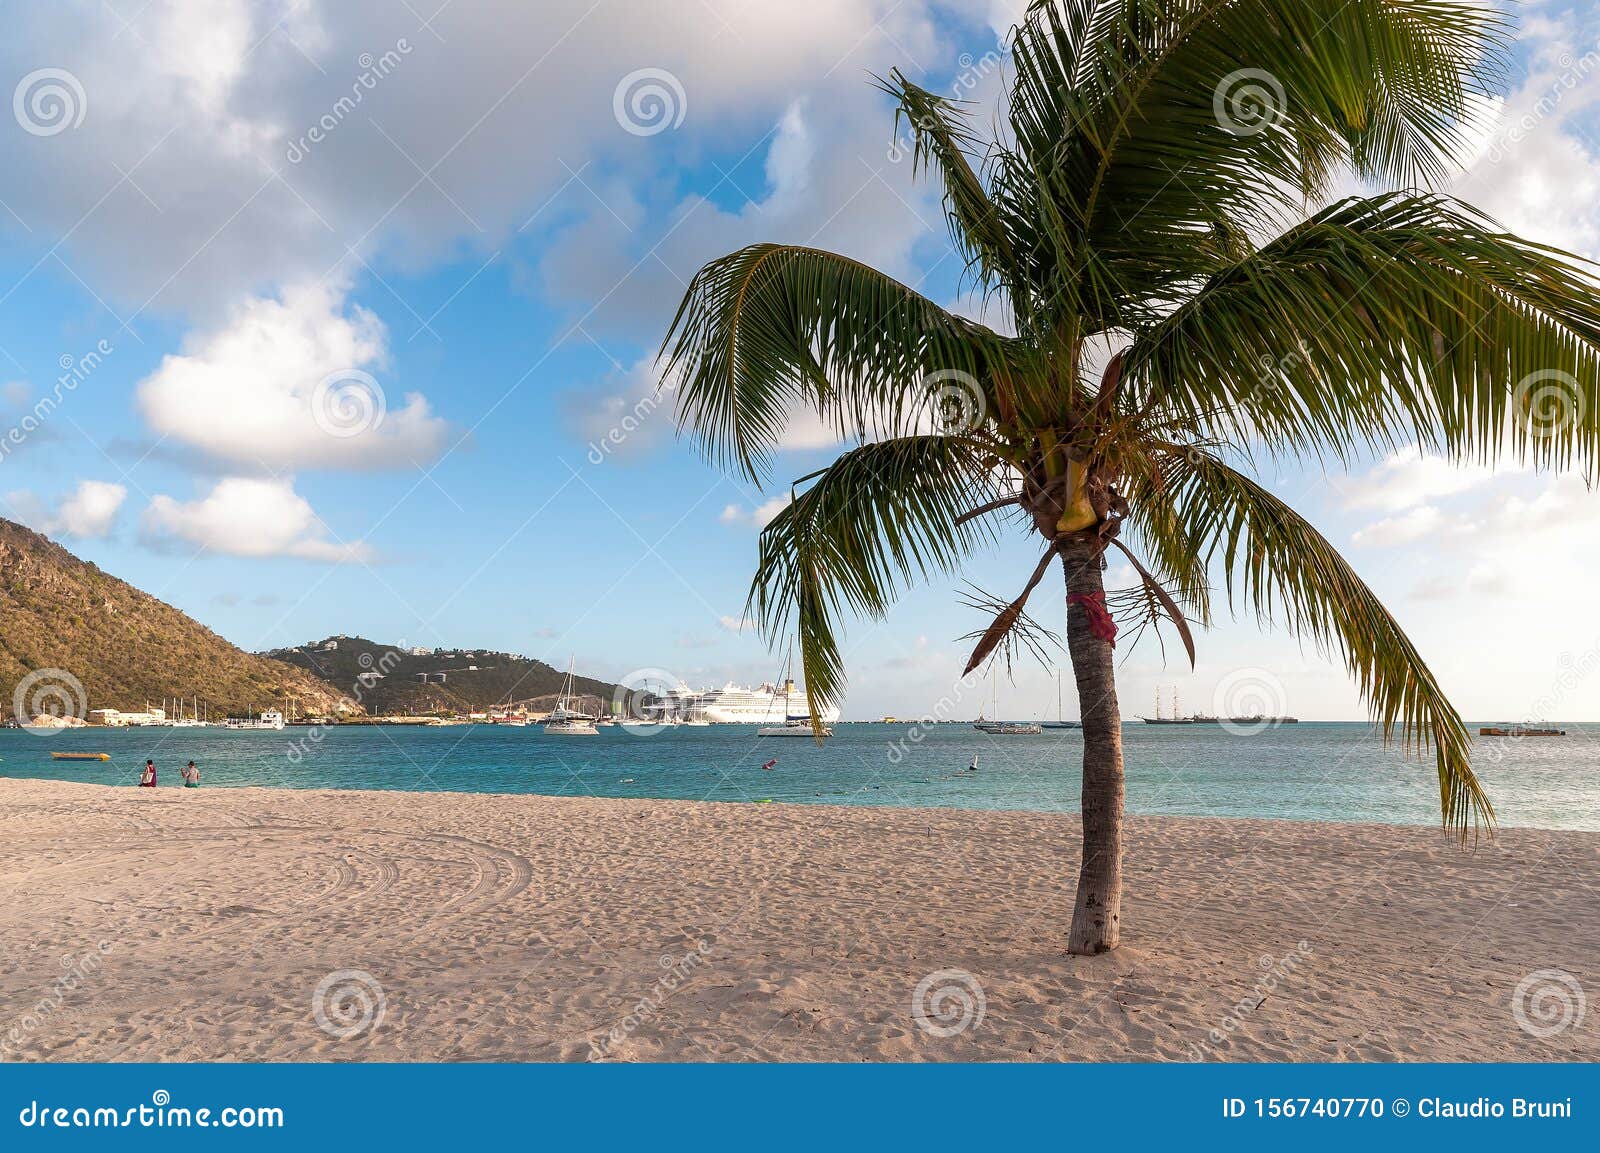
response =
{"points": [[999, 728], [1059, 723], [564, 720]]}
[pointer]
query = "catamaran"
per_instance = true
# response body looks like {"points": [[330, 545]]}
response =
{"points": [[271, 719], [564, 720]]}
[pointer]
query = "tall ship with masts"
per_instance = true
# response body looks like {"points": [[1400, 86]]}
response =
{"points": [[1174, 719]]}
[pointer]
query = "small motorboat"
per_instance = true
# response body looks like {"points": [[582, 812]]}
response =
{"points": [[80, 756]]}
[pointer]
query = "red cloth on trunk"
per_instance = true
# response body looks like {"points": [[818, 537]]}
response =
{"points": [[1100, 622]]}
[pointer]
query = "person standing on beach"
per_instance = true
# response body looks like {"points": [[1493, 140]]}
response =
{"points": [[148, 781], [190, 775]]}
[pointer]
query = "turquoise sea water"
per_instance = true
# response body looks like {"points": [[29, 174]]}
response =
{"points": [[1309, 771]]}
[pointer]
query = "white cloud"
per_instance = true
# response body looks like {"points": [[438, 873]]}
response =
{"points": [[761, 516], [89, 511], [1121, 576], [737, 624], [1403, 529], [790, 159], [202, 106], [251, 392], [245, 516], [1502, 512], [1407, 478], [624, 416], [1532, 171], [1481, 580]]}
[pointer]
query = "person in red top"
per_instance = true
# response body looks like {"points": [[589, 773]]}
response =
{"points": [[148, 781]]}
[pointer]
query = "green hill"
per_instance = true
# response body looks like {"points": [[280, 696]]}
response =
{"points": [[386, 679], [124, 647]]}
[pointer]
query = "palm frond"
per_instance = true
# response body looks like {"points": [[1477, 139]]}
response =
{"points": [[1158, 131], [1025, 635], [1008, 617], [881, 516], [1279, 565], [1384, 320], [773, 326], [943, 143]]}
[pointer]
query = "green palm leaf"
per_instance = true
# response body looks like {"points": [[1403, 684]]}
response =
{"points": [[1385, 320], [772, 326], [882, 515], [1153, 127], [1280, 566]]}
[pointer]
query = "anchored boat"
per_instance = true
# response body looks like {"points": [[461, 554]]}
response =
{"points": [[568, 722]]}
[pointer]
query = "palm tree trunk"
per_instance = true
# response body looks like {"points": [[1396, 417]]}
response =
{"points": [[1097, 915]]}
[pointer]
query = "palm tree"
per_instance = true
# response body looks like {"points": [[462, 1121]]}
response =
{"points": [[1173, 309]]}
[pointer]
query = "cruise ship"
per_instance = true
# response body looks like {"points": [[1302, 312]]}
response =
{"points": [[766, 704]]}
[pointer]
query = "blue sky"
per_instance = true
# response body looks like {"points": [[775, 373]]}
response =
{"points": [[493, 238]]}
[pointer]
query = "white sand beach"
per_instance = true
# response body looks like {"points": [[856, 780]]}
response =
{"points": [[199, 925]]}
